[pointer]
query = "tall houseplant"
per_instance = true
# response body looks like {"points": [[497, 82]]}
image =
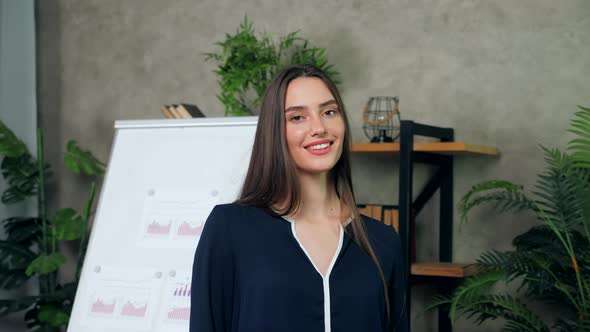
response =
{"points": [[550, 262], [30, 248], [246, 63]]}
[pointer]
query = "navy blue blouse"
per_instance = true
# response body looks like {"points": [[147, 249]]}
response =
{"points": [[250, 274]]}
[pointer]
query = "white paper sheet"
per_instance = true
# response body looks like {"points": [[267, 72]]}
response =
{"points": [[122, 298], [175, 218], [175, 310]]}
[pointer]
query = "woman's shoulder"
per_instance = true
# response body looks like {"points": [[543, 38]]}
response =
{"points": [[235, 210], [231, 214], [385, 240], [380, 232]]}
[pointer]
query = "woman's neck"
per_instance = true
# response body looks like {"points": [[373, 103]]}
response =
{"points": [[319, 201]]}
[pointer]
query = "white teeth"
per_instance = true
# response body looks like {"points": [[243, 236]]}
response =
{"points": [[319, 146]]}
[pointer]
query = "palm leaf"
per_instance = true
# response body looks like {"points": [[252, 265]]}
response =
{"points": [[505, 196], [552, 260], [579, 146], [473, 288], [517, 315]]}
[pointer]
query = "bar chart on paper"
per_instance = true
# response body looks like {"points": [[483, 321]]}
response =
{"points": [[176, 299]]}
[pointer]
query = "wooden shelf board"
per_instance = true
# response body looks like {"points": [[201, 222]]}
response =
{"points": [[441, 269], [452, 148]]}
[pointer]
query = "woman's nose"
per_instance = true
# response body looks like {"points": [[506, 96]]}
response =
{"points": [[317, 127]]}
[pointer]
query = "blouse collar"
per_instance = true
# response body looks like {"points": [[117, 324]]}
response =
{"points": [[291, 220]]}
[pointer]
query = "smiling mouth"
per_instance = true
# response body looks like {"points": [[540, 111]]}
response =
{"points": [[319, 147]]}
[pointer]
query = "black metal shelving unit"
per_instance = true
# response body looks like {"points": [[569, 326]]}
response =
{"points": [[443, 180], [441, 154]]}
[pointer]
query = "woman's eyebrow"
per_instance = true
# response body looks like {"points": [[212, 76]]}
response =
{"points": [[329, 102], [295, 108], [322, 105]]}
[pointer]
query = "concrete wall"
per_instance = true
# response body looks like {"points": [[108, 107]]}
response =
{"points": [[503, 73], [18, 106]]}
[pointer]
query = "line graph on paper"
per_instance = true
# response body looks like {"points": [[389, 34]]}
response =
{"points": [[134, 309], [120, 299], [174, 219], [189, 229], [123, 298], [158, 226], [102, 306]]}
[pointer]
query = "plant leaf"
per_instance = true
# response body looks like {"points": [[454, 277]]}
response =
{"points": [[21, 174], [53, 315], [581, 148], [15, 255], [12, 278], [45, 264], [16, 305], [10, 145], [67, 224], [22, 230], [81, 161]]}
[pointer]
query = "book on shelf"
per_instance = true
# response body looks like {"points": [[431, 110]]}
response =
{"points": [[182, 111], [388, 216], [167, 113]]}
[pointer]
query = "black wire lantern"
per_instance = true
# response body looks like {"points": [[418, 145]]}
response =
{"points": [[381, 120]]}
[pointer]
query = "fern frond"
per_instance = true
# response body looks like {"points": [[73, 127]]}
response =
{"points": [[562, 194], [537, 237], [581, 148], [473, 288], [517, 315], [563, 325], [510, 197], [489, 185], [512, 263], [438, 301]]}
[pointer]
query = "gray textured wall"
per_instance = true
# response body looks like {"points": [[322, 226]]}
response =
{"points": [[503, 73]]}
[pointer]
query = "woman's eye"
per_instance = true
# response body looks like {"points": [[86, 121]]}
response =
{"points": [[330, 112], [296, 118]]}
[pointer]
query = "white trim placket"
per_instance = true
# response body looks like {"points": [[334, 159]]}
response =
{"points": [[326, 278]]}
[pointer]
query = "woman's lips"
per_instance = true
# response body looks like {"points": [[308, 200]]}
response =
{"points": [[320, 152]]}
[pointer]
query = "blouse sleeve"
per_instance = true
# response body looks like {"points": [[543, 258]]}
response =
{"points": [[397, 290], [212, 277]]}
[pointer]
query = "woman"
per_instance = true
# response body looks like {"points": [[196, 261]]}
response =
{"points": [[293, 253]]}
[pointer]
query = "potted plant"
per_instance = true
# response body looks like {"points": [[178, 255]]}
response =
{"points": [[30, 248], [550, 262], [246, 64]]}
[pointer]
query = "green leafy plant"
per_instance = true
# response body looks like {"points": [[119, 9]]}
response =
{"points": [[247, 63], [550, 262], [30, 247]]}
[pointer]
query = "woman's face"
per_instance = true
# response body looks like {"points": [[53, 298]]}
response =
{"points": [[314, 125]]}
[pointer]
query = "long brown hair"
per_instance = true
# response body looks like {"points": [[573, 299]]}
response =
{"points": [[272, 179]]}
